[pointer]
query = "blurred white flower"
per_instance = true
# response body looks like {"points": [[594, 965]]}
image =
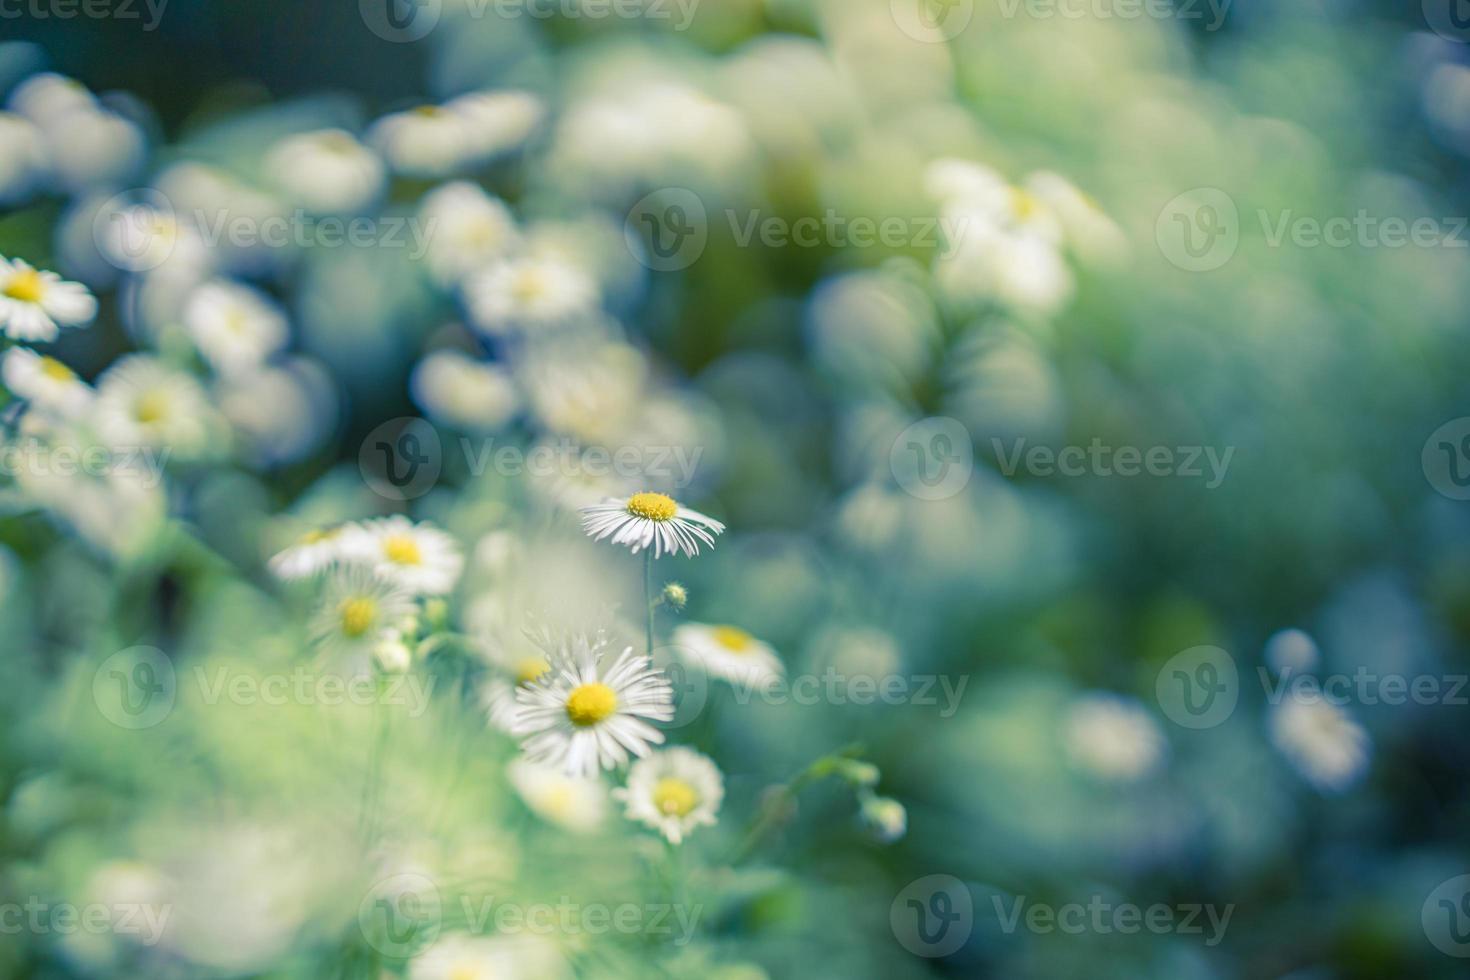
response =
{"points": [[391, 653], [651, 520], [46, 383], [309, 556], [586, 713], [529, 294], [1086, 227], [236, 327], [146, 237], [674, 791], [282, 412], [89, 146], [986, 263], [1292, 650], [461, 392], [496, 122], [463, 133], [420, 557], [592, 392], [22, 158], [34, 305], [729, 653], [119, 510], [885, 818], [47, 95], [357, 609], [1323, 742], [461, 957], [573, 803], [326, 171], [1113, 737], [467, 229], [142, 401]]}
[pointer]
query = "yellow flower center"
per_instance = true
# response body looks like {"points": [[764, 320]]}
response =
{"points": [[732, 639], [358, 616], [402, 550], [1024, 204], [530, 669], [466, 973], [674, 797], [590, 704], [55, 370], [26, 286], [652, 506], [429, 111], [151, 407], [529, 286]]}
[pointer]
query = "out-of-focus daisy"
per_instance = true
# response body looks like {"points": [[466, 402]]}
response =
{"points": [[518, 663], [651, 519], [311, 554], [34, 305], [1321, 741], [144, 237], [326, 171], [461, 957], [571, 802], [464, 393], [1087, 228], [357, 610], [22, 157], [1113, 737], [496, 122], [729, 653], [529, 293], [47, 95], [419, 557], [282, 411], [1292, 651], [591, 711], [673, 792], [885, 818], [141, 401], [467, 229], [45, 382], [392, 653], [427, 141], [235, 327], [1022, 270], [93, 146]]}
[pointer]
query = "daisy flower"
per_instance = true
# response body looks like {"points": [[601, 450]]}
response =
{"points": [[496, 122], [729, 653], [419, 557], [235, 327], [427, 141], [529, 293], [673, 792], [585, 714], [45, 382], [464, 393], [654, 519], [357, 611], [463, 957], [468, 229], [575, 804], [141, 401], [327, 171], [519, 664], [34, 305], [1322, 741], [311, 554], [1113, 737], [22, 157]]}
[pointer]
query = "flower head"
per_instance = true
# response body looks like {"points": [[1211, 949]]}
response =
{"points": [[673, 792], [311, 554], [35, 305], [45, 382], [358, 610], [729, 653], [654, 519], [420, 557]]}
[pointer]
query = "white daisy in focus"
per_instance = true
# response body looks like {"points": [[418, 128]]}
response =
{"points": [[462, 957], [418, 557], [591, 711], [529, 294], [311, 554], [651, 519], [236, 328], [464, 393], [46, 383], [729, 653], [427, 141], [673, 792], [570, 802], [467, 230], [357, 611], [34, 305], [141, 401], [22, 158], [327, 171], [1323, 743], [1113, 737]]}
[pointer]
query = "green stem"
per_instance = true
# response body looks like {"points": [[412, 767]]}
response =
{"points": [[648, 595], [774, 808]]}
